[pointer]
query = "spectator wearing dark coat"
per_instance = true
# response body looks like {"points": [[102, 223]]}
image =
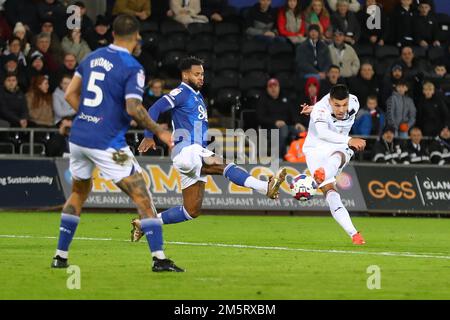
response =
{"points": [[67, 68], [387, 149], [378, 35], [13, 105], [432, 113], [345, 20], [313, 55], [333, 78], [218, 10], [370, 120], [58, 145], [101, 36], [24, 11], [36, 66], [276, 111], [440, 148], [55, 42], [87, 25], [365, 83], [390, 80], [55, 10], [43, 42], [261, 22], [402, 23], [400, 110], [417, 148], [426, 27], [11, 65]]}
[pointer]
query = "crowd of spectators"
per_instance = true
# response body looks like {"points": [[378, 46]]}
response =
{"points": [[398, 69]]}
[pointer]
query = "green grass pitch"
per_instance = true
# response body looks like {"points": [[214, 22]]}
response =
{"points": [[279, 258]]}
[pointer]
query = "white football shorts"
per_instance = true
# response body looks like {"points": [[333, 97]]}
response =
{"points": [[318, 156], [83, 160], [189, 164]]}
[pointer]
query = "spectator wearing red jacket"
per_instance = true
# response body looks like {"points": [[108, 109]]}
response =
{"points": [[291, 23]]}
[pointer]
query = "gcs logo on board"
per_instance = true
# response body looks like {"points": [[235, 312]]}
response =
{"points": [[391, 189]]}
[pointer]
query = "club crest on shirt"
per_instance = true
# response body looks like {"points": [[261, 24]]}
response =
{"points": [[175, 92], [141, 78]]}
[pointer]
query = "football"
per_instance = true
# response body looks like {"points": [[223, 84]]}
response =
{"points": [[303, 187]]}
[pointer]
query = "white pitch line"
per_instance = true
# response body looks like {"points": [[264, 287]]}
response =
{"points": [[242, 246]]}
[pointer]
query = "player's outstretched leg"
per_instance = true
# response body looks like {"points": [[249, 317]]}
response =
{"points": [[70, 218], [338, 211], [151, 226], [242, 178], [215, 166]]}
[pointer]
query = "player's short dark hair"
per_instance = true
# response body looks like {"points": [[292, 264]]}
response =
{"points": [[333, 66], [125, 25], [339, 92], [187, 63]]}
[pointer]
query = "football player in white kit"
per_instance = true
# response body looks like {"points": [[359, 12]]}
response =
{"points": [[328, 148]]}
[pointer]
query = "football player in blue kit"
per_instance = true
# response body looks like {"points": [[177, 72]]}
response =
{"points": [[106, 92], [190, 156]]}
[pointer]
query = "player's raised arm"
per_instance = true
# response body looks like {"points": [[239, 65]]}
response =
{"points": [[73, 92]]}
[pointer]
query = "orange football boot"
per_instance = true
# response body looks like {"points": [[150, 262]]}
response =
{"points": [[358, 239]]}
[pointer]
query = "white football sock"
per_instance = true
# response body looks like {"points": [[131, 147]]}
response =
{"points": [[332, 166], [340, 213], [62, 254], [159, 255], [256, 184]]}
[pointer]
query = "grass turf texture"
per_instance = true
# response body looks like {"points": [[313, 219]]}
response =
{"points": [[119, 269]]}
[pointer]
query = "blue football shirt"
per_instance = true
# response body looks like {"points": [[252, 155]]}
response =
{"points": [[110, 75]]}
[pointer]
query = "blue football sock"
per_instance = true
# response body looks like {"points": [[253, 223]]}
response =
{"points": [[152, 229], [67, 230], [235, 174], [175, 215]]}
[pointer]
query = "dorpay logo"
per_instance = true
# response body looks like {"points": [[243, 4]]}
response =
{"points": [[89, 118], [391, 189]]}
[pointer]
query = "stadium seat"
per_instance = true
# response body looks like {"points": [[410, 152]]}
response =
{"points": [[149, 26], [249, 65], [253, 81], [383, 66], [363, 50], [150, 41], [254, 48], [170, 61], [382, 52], [200, 28], [196, 45], [222, 49], [286, 79], [227, 73], [226, 64], [223, 93], [170, 27], [167, 45], [7, 148], [436, 53], [419, 52], [224, 29], [281, 50], [207, 58], [278, 66]]}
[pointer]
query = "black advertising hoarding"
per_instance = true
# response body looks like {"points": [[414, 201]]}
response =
{"points": [[163, 182], [405, 188], [29, 184]]}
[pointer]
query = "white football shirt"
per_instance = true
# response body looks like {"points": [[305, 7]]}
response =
{"points": [[324, 129]]}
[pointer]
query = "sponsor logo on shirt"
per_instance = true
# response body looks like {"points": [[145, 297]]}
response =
{"points": [[89, 118]]}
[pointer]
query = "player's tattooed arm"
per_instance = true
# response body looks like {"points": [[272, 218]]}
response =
{"points": [[140, 115]]}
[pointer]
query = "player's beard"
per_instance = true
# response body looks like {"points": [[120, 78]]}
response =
{"points": [[194, 86]]}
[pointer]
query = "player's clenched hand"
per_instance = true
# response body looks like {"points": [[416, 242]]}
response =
{"points": [[357, 144], [146, 144], [166, 137], [306, 109]]}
